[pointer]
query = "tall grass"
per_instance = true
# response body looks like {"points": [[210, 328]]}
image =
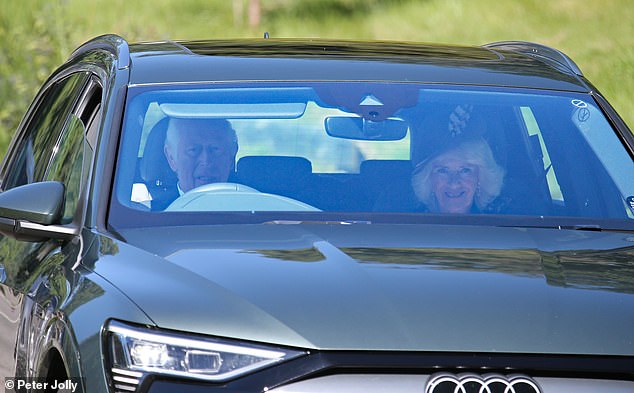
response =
{"points": [[37, 35]]}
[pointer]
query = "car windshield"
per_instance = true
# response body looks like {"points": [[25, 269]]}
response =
{"points": [[365, 152]]}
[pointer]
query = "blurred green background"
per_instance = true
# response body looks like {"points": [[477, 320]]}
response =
{"points": [[38, 35]]}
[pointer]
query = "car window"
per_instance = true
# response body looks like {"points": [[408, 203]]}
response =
{"points": [[66, 165], [30, 160], [321, 149], [70, 158]]}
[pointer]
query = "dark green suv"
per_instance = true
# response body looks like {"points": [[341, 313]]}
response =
{"points": [[317, 216]]}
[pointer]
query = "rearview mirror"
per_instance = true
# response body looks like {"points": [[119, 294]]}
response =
{"points": [[362, 129]]}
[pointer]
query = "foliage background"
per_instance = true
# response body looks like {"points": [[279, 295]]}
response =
{"points": [[38, 35]]}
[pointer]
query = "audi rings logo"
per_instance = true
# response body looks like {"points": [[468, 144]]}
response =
{"points": [[472, 383]]}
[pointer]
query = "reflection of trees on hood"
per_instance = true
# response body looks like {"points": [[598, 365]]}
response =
{"points": [[299, 255], [518, 262], [610, 270]]}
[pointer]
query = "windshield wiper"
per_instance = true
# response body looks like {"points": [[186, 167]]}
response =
{"points": [[583, 227], [326, 222], [594, 228]]}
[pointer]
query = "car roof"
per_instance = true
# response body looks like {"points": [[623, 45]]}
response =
{"points": [[325, 60]]}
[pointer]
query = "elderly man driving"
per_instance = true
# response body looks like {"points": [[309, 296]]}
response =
{"points": [[200, 151]]}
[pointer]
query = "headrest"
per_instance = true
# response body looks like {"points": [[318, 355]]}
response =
{"points": [[257, 169], [385, 167], [154, 168]]}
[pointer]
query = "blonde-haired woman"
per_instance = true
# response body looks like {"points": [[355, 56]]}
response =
{"points": [[463, 178]]}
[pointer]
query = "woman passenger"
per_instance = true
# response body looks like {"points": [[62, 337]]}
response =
{"points": [[463, 178]]}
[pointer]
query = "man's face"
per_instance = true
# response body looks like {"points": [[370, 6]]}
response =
{"points": [[201, 156]]}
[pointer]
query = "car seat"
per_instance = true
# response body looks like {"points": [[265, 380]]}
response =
{"points": [[154, 169]]}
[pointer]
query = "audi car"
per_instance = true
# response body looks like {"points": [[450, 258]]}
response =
{"points": [[285, 216]]}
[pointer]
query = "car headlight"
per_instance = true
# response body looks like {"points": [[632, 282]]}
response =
{"points": [[135, 352]]}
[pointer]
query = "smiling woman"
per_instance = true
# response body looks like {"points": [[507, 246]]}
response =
{"points": [[464, 178]]}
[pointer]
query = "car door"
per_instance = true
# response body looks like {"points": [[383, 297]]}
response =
{"points": [[49, 146]]}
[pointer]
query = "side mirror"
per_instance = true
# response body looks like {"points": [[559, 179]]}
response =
{"points": [[31, 212]]}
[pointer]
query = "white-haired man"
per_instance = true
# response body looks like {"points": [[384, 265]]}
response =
{"points": [[200, 151]]}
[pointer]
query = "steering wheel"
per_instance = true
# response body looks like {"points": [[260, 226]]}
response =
{"points": [[234, 197]]}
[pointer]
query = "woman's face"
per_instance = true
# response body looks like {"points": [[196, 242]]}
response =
{"points": [[454, 182]]}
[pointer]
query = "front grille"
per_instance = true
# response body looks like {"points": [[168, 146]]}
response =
{"points": [[412, 372], [379, 383]]}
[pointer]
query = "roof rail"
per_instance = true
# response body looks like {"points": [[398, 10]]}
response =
{"points": [[537, 50], [112, 43]]}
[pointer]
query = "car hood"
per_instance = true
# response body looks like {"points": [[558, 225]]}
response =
{"points": [[385, 287]]}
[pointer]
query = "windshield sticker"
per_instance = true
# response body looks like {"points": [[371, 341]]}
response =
{"points": [[630, 202], [579, 103], [583, 115]]}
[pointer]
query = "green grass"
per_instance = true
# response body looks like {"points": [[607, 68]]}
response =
{"points": [[37, 35]]}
